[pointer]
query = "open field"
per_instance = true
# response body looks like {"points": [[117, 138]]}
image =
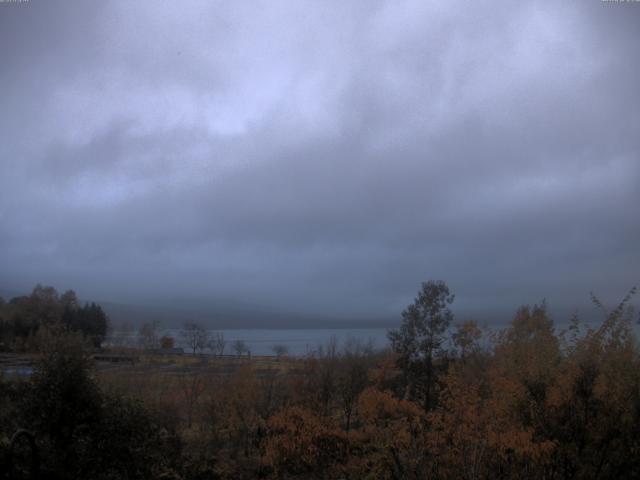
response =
{"points": [[139, 370], [205, 366], [180, 381]]}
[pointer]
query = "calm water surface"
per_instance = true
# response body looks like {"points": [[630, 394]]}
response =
{"points": [[297, 341], [302, 341]]}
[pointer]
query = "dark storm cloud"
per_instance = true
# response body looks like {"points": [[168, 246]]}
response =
{"points": [[321, 158]]}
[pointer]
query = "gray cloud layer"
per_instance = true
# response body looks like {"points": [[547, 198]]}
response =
{"points": [[321, 157]]}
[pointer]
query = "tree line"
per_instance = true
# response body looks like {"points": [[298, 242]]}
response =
{"points": [[22, 317], [445, 401]]}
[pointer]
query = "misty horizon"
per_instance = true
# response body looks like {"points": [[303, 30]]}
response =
{"points": [[174, 313]]}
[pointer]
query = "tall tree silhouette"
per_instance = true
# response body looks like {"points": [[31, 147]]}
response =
{"points": [[420, 337]]}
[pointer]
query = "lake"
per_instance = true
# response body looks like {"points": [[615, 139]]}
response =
{"points": [[298, 342]]}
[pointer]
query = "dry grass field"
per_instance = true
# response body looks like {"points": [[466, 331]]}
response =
{"points": [[185, 384]]}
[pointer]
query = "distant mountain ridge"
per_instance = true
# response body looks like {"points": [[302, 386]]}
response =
{"points": [[234, 314]]}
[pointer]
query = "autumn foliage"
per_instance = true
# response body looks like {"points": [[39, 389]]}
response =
{"points": [[524, 402]]}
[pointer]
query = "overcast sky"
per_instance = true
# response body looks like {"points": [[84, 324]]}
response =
{"points": [[321, 158]]}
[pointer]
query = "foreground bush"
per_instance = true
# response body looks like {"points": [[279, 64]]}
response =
{"points": [[80, 431]]}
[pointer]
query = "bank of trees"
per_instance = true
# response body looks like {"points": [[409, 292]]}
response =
{"points": [[22, 317], [448, 401]]}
